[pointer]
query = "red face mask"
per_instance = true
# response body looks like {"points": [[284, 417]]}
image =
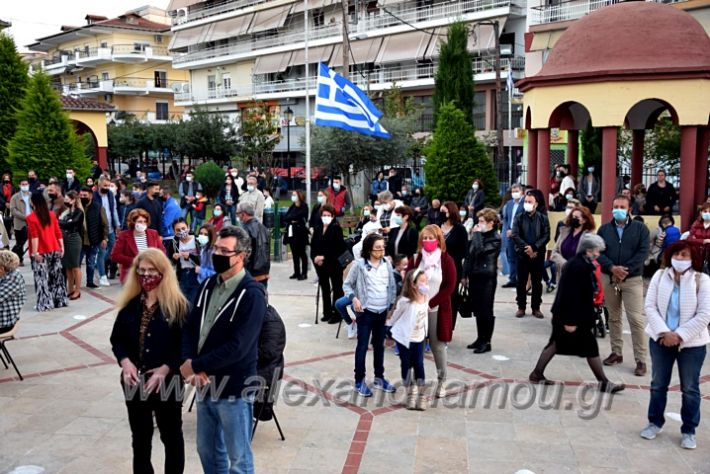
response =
{"points": [[430, 245], [150, 282]]}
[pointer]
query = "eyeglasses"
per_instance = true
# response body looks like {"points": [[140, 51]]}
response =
{"points": [[225, 252], [150, 272]]}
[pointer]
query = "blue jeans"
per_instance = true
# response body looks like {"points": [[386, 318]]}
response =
{"points": [[105, 253], [90, 252], [370, 323], [224, 435], [341, 305], [690, 361], [412, 357], [512, 261], [187, 279], [553, 272], [505, 269]]}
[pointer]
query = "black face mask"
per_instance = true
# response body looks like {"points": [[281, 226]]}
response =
{"points": [[575, 223], [104, 190], [52, 196], [156, 195], [221, 263], [85, 202], [31, 180]]}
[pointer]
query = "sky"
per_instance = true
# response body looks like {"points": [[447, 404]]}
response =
{"points": [[32, 19]]}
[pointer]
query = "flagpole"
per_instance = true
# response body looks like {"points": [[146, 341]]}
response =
{"points": [[308, 110], [510, 122]]}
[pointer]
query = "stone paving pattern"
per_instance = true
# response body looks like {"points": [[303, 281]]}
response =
{"points": [[68, 414]]}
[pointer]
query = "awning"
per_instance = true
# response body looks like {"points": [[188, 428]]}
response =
{"points": [[386, 3], [437, 38], [319, 54], [184, 38], [270, 19], [403, 47], [482, 38], [363, 51], [176, 4], [545, 40], [272, 63], [312, 5], [228, 28]]}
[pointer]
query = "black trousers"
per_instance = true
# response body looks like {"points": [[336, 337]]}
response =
{"points": [[330, 277], [300, 259], [532, 268], [20, 241], [168, 416], [483, 290]]}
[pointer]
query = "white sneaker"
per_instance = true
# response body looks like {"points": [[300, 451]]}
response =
{"points": [[650, 431], [352, 331], [687, 441], [103, 281]]}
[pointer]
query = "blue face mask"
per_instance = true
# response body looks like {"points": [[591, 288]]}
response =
{"points": [[619, 214], [397, 220], [706, 216]]}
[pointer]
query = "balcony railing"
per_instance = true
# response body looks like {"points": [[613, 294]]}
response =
{"points": [[574, 9], [214, 9], [124, 85], [376, 21], [381, 76], [105, 53]]}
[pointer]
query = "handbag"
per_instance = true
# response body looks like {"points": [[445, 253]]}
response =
{"points": [[346, 258], [465, 306]]}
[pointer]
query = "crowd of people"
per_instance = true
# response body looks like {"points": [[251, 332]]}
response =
{"points": [[194, 302]]}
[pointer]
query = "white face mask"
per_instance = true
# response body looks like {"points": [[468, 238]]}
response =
{"points": [[474, 187], [462, 213], [141, 227], [24, 189], [188, 178], [681, 265], [321, 199], [203, 240], [70, 176], [250, 188], [569, 197], [516, 195], [294, 198], [528, 206], [234, 174], [366, 213], [483, 228], [326, 220], [112, 189]]}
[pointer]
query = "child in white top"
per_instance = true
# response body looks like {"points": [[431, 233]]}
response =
{"points": [[409, 322]]}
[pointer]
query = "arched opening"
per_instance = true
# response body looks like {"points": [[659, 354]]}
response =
{"points": [[528, 119], [570, 116]]}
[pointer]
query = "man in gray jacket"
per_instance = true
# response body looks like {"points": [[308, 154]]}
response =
{"points": [[627, 244], [20, 208]]}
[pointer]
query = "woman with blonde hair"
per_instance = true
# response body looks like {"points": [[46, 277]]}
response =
{"points": [[440, 270], [146, 341], [71, 221]]}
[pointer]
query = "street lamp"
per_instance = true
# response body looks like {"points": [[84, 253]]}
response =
{"points": [[288, 114]]}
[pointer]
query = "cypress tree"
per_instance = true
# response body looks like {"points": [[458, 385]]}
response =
{"points": [[454, 78], [455, 158], [13, 80], [45, 139]]}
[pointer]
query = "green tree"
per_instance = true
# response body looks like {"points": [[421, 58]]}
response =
{"points": [[454, 158], [454, 77], [258, 135], [13, 81], [211, 176], [209, 136], [591, 144], [45, 139]]}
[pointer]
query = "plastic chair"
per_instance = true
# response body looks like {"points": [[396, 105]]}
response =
{"points": [[4, 337]]}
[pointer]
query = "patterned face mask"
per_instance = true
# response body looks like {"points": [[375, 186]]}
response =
{"points": [[181, 234], [150, 282]]}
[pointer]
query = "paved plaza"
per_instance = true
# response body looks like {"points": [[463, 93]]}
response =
{"points": [[68, 416]]}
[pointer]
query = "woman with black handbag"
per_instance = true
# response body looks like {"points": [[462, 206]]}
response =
{"points": [[327, 249], [480, 276], [297, 234]]}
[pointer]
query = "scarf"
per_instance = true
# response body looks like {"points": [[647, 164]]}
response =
{"points": [[431, 260]]}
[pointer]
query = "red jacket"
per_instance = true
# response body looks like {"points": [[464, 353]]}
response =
{"points": [[698, 232], [444, 321], [48, 237], [125, 249], [339, 200]]}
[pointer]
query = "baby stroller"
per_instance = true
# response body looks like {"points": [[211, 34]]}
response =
{"points": [[602, 314]]}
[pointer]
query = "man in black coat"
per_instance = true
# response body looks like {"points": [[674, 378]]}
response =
{"points": [[259, 262], [152, 204], [96, 235]]}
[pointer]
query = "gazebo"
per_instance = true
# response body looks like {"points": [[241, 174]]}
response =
{"points": [[623, 66]]}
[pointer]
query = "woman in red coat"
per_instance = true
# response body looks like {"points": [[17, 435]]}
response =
{"points": [[441, 272], [700, 230], [137, 238]]}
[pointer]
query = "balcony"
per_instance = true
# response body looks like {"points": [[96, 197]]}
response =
{"points": [[88, 88], [411, 76], [573, 10], [124, 86], [292, 39], [90, 57], [213, 9]]}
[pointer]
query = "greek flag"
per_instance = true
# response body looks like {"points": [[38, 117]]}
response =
{"points": [[341, 104], [509, 81]]}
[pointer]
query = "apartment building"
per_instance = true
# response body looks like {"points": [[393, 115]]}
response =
{"points": [[122, 61], [242, 51]]}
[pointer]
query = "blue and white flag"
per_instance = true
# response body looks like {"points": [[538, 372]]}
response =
{"points": [[341, 104], [509, 81]]}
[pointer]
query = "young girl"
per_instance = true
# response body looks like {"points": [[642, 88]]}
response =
{"points": [[206, 237], [409, 322]]}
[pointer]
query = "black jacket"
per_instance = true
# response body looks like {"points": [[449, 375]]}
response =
{"points": [[433, 215], [272, 342], [661, 197], [574, 301], [259, 262], [73, 222], [540, 226], [629, 251], [74, 186], [229, 354], [482, 255], [314, 221], [162, 341], [330, 245], [96, 223], [407, 244], [295, 223], [456, 245], [172, 246], [154, 207], [233, 195]]}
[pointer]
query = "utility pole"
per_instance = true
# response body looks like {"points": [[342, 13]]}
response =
{"points": [[346, 41], [499, 111]]}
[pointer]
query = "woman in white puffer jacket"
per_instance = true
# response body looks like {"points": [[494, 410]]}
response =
{"points": [[678, 311]]}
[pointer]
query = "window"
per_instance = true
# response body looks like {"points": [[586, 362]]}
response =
{"points": [[226, 81], [139, 47], [161, 79], [161, 111], [211, 86], [104, 76], [479, 110], [104, 44], [318, 18]]}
